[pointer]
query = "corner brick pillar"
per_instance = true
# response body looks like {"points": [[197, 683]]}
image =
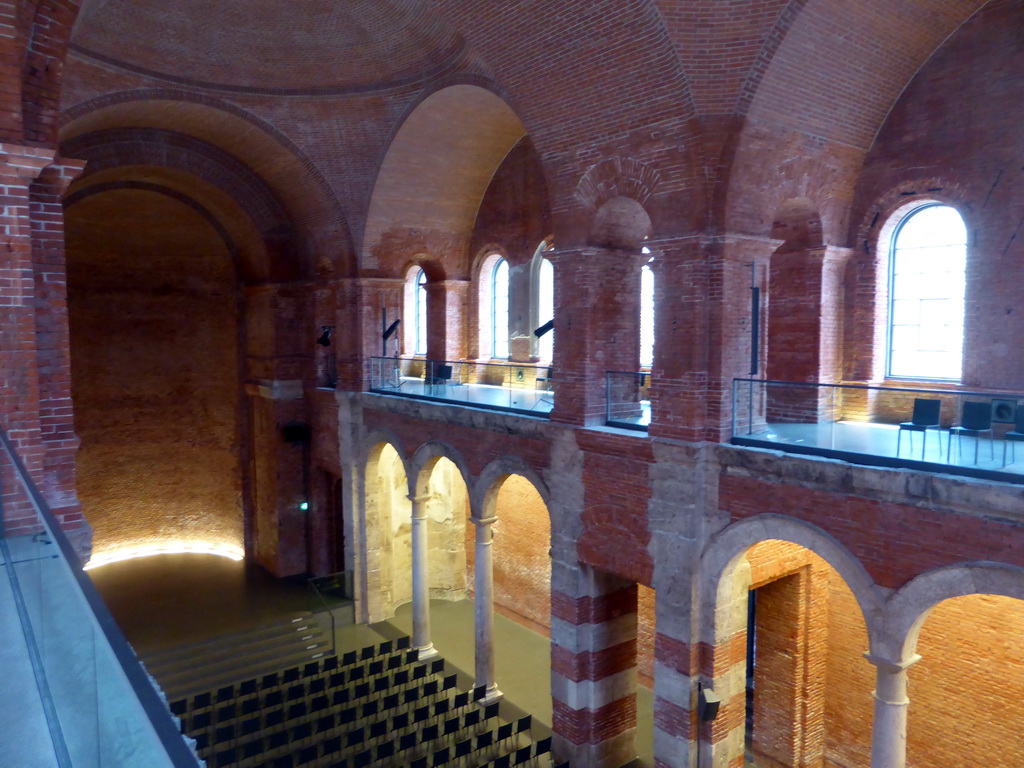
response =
{"points": [[889, 729], [372, 296], [597, 327], [593, 669], [446, 319], [53, 348], [483, 606], [421, 579], [680, 374], [805, 287], [279, 340], [19, 363]]}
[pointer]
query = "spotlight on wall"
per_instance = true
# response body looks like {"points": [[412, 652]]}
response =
{"points": [[708, 703], [544, 328], [304, 506], [325, 336], [391, 330]]}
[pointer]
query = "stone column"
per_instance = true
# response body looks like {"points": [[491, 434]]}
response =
{"points": [[420, 580], [889, 730], [484, 607]]}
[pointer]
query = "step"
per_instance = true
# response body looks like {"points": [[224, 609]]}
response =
{"points": [[239, 656]]}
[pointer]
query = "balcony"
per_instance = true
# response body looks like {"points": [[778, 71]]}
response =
{"points": [[521, 388], [75, 693], [862, 424]]}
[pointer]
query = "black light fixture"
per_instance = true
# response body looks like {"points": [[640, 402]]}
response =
{"points": [[325, 336], [391, 330], [544, 328]]}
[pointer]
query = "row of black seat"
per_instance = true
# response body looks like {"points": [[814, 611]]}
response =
{"points": [[336, 687], [354, 664], [322, 710], [470, 750]]}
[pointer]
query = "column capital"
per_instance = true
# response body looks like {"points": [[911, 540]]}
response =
{"points": [[483, 522], [418, 498], [892, 667]]}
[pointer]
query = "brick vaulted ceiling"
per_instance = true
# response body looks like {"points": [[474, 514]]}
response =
{"points": [[294, 46]]}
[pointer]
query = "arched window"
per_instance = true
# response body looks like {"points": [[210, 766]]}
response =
{"points": [[420, 313], [646, 315], [926, 294], [499, 310], [546, 309]]}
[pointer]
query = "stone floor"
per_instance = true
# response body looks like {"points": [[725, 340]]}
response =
{"points": [[169, 600]]}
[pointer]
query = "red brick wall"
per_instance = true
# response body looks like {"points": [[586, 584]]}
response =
{"points": [[522, 565], [963, 158], [154, 349]]}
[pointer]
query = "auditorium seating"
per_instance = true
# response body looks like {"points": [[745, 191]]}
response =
{"points": [[379, 707]]}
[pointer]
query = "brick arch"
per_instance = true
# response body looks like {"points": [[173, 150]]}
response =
{"points": [[907, 610], [108, 151], [455, 138], [818, 108], [159, 189], [424, 460], [295, 180], [484, 491], [46, 45], [617, 177], [866, 275], [373, 443], [726, 549]]}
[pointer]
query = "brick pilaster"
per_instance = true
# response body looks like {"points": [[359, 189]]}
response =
{"points": [[593, 669]]}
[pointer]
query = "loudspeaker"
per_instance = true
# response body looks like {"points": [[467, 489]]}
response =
{"points": [[296, 432], [1004, 411], [708, 703]]}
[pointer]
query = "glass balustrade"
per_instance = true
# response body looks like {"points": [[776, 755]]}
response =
{"points": [[974, 433], [73, 683], [627, 402], [522, 388]]}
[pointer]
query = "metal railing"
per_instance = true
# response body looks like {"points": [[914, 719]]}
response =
{"points": [[328, 589], [627, 403], [862, 423], [80, 675], [520, 387]]}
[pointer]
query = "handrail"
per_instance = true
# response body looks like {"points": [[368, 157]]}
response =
{"points": [[153, 705], [882, 387]]}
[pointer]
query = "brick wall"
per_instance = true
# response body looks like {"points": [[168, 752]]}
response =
{"points": [[154, 352]]}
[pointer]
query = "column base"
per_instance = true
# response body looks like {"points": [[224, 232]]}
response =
{"points": [[425, 652], [492, 694]]}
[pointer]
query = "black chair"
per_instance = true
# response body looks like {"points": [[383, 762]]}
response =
{"points": [[251, 706], [227, 693], [924, 417], [543, 747], [1015, 435], [385, 648], [402, 643], [202, 720], [308, 755], [179, 707], [441, 757], [479, 692], [523, 755], [485, 740], [406, 742], [975, 422], [330, 663], [543, 384], [202, 700], [386, 750], [290, 675], [463, 748], [349, 658], [441, 376], [503, 762]]}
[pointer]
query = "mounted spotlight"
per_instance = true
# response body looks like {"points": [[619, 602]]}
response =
{"points": [[391, 330], [325, 336], [544, 328]]}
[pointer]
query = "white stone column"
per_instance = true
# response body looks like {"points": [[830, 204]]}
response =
{"points": [[421, 579], [484, 608], [889, 730]]}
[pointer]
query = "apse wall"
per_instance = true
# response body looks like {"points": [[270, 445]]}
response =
{"points": [[154, 354], [954, 137]]}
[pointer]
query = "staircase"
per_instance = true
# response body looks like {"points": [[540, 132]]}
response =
{"points": [[188, 669]]}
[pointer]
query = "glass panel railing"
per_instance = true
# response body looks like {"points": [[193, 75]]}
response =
{"points": [[627, 402], [83, 685], [963, 432], [520, 387]]}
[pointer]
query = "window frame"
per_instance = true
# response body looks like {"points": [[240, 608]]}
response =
{"points": [[903, 216]]}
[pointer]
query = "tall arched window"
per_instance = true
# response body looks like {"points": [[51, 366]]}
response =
{"points": [[646, 315], [546, 309], [926, 294], [499, 310], [420, 313]]}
